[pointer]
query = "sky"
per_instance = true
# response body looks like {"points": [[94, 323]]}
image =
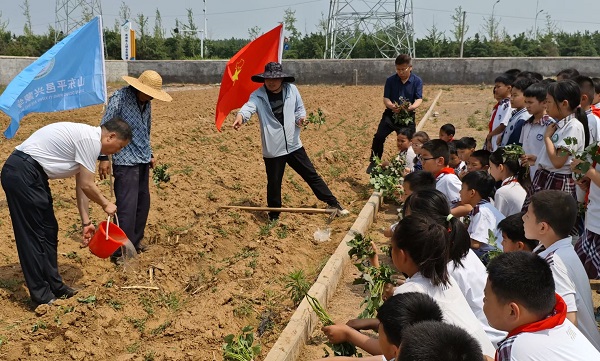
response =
{"points": [[233, 18]]}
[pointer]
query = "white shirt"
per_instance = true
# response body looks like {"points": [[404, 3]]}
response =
{"points": [[455, 308], [567, 127], [410, 158], [471, 279], [573, 286], [503, 114], [532, 138], [593, 126], [509, 197], [61, 147], [450, 185], [563, 342], [592, 216], [485, 217], [519, 115], [460, 167]]}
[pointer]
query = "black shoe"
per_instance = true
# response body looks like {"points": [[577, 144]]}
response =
{"points": [[117, 260], [370, 167], [141, 248], [66, 292]]}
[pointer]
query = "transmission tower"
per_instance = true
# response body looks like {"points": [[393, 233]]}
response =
{"points": [[388, 22], [71, 14]]}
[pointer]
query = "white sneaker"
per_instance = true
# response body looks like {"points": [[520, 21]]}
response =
{"points": [[341, 211]]}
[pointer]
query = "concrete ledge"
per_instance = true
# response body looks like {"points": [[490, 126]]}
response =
{"points": [[304, 320]]}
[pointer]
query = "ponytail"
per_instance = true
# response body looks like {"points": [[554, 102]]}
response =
{"points": [[519, 171], [582, 117]]}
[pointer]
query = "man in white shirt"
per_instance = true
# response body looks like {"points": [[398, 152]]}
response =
{"points": [[56, 151]]}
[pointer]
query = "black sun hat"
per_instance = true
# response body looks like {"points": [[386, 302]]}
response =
{"points": [[273, 70]]}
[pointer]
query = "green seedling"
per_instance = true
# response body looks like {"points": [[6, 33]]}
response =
{"points": [[160, 174], [360, 247], [242, 347], [297, 286], [374, 280]]}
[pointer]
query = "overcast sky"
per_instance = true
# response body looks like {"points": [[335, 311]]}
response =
{"points": [[233, 18]]}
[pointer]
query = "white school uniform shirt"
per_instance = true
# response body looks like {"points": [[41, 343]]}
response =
{"points": [[485, 217], [517, 115], [567, 127], [455, 309], [573, 286], [532, 138], [593, 123], [470, 279], [510, 197], [61, 147], [410, 158], [460, 167], [592, 215], [503, 114], [450, 185], [563, 342]]}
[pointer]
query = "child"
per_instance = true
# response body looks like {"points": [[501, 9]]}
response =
{"points": [[532, 134], [464, 148], [512, 133], [454, 161], [477, 187], [420, 250], [513, 235], [506, 168], [596, 94], [447, 132], [430, 340], [502, 90], [479, 160], [554, 160], [418, 139], [586, 86], [550, 217], [403, 142], [520, 299], [566, 74]]}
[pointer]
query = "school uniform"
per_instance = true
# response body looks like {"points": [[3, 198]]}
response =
{"points": [[485, 217], [573, 286], [503, 114], [593, 122], [449, 184], [509, 197], [588, 246], [512, 133], [462, 166], [532, 139], [455, 309], [410, 156]]}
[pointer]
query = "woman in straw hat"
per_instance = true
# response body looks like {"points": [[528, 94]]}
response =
{"points": [[131, 166], [281, 115]]}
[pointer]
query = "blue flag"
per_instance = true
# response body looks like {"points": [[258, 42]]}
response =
{"points": [[68, 76]]}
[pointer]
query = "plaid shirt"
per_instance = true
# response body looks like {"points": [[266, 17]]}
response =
{"points": [[123, 103]]}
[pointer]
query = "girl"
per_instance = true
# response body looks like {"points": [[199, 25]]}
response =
{"points": [[405, 149], [418, 139], [554, 160], [507, 168]]}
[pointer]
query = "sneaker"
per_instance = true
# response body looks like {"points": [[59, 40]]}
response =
{"points": [[117, 260], [67, 292], [341, 211], [141, 248], [370, 167]]}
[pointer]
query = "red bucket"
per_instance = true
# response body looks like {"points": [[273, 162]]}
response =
{"points": [[103, 247]]}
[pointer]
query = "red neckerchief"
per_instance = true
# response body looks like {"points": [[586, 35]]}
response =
{"points": [[445, 170], [491, 123], [595, 110], [511, 179]]}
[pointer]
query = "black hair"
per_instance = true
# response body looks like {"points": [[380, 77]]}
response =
{"points": [[513, 227], [513, 72], [426, 242], [400, 311], [513, 163], [586, 86], [431, 340], [466, 143], [525, 278], [448, 129], [596, 85], [530, 75], [420, 180], [407, 132], [557, 208], [403, 59], [483, 156], [481, 181], [505, 79], [434, 204], [569, 90], [523, 83], [438, 148], [121, 128], [538, 91], [568, 73], [452, 147], [422, 135]]}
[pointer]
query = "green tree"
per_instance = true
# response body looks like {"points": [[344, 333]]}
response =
{"points": [[27, 27], [141, 50], [254, 32]]}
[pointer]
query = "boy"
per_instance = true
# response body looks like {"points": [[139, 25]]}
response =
{"points": [[447, 132], [520, 298], [403, 142], [479, 160], [549, 219], [586, 85], [568, 73], [455, 161], [512, 133], [532, 134], [513, 235], [465, 146], [596, 93], [477, 187], [502, 91]]}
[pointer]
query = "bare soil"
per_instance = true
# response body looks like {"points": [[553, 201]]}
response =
{"points": [[217, 270]]}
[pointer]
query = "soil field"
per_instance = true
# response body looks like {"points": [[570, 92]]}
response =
{"points": [[216, 270]]}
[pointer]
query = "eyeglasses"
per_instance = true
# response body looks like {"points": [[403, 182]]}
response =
{"points": [[424, 159], [405, 69]]}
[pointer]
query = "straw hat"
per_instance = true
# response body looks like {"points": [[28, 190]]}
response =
{"points": [[149, 83], [273, 70]]}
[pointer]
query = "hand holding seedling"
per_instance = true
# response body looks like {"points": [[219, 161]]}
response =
{"points": [[528, 158], [302, 122], [337, 333]]}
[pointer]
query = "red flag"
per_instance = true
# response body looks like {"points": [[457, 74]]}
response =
{"points": [[236, 85]]}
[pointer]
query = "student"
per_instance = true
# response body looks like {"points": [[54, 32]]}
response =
{"points": [[455, 161], [418, 139], [512, 133], [447, 132], [554, 160], [465, 146], [420, 250], [520, 299], [596, 102], [532, 134], [502, 90], [550, 217], [479, 160], [586, 86], [477, 187], [530, 75], [430, 340], [403, 142], [513, 235], [566, 74], [513, 72], [507, 168]]}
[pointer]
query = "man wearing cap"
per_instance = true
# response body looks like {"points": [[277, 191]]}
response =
{"points": [[131, 166], [281, 115], [56, 151]]}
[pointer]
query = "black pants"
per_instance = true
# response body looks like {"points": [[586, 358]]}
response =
{"points": [[299, 162], [386, 126], [36, 230], [133, 200]]}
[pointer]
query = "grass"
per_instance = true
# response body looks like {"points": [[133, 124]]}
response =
{"points": [[116, 305], [3, 340], [472, 121], [138, 323], [172, 301], [243, 310], [10, 284], [133, 348], [265, 229], [147, 304], [39, 325], [160, 329], [282, 231], [74, 256], [211, 196]]}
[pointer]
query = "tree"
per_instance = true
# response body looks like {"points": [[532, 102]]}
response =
{"points": [[124, 14], [433, 40], [141, 46], [254, 32], [289, 19], [159, 31], [457, 22], [27, 27], [490, 28], [3, 24]]}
